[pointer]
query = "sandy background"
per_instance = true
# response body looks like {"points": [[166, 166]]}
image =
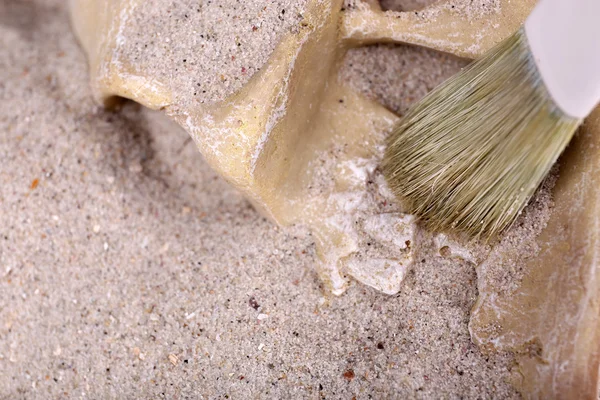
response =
{"points": [[128, 269]]}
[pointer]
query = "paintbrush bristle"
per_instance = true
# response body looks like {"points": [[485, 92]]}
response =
{"points": [[470, 155]]}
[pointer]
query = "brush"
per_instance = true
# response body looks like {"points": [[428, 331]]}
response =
{"points": [[471, 154]]}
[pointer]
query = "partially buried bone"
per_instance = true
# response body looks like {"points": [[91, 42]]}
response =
{"points": [[305, 149], [551, 319], [302, 154]]}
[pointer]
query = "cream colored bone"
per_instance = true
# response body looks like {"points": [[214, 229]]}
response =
{"points": [[450, 30], [272, 138], [266, 139], [552, 321]]}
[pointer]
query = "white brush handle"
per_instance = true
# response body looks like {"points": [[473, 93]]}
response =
{"points": [[564, 37]]}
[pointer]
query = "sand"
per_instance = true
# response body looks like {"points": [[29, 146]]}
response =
{"points": [[404, 5], [397, 75], [231, 41], [129, 269]]}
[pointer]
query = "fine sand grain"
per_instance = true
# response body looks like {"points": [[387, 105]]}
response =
{"points": [[128, 269], [206, 50], [404, 5]]}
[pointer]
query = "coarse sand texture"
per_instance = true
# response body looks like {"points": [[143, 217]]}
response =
{"points": [[133, 266], [206, 50]]}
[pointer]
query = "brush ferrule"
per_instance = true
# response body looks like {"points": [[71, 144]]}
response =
{"points": [[564, 39]]}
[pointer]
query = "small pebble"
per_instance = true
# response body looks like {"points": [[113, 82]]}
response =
{"points": [[173, 359]]}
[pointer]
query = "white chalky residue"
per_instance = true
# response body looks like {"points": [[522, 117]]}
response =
{"points": [[375, 244]]}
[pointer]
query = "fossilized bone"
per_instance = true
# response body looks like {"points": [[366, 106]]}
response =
{"points": [[274, 139], [551, 321], [268, 138]]}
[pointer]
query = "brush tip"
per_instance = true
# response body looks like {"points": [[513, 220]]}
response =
{"points": [[469, 156]]}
